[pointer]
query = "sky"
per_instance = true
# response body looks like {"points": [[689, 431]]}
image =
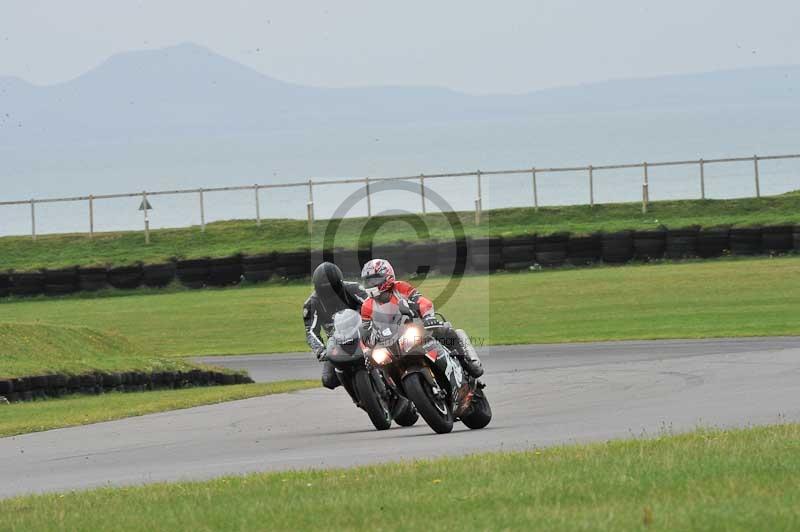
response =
{"points": [[473, 46]]}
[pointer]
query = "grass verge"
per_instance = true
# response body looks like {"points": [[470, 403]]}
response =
{"points": [[22, 418], [36, 348], [753, 297], [243, 236], [706, 480]]}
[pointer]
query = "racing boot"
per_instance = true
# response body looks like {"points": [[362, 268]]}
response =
{"points": [[469, 356], [329, 378]]}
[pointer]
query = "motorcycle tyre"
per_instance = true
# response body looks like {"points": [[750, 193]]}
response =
{"points": [[368, 398], [418, 391]]}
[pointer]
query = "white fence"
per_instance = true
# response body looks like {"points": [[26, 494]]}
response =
{"points": [[478, 175]]}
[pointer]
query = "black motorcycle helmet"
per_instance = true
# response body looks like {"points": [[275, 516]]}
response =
{"points": [[329, 284]]}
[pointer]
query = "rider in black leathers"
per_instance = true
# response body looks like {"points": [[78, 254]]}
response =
{"points": [[331, 294]]}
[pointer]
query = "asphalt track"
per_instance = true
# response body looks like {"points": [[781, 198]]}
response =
{"points": [[541, 395]]}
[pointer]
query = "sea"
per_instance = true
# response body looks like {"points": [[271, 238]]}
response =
{"points": [[297, 156]]}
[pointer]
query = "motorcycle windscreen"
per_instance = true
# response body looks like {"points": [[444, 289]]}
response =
{"points": [[387, 321], [346, 326]]}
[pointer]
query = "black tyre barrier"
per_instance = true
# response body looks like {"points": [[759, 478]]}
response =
{"points": [[409, 261], [745, 240], [485, 254], [681, 243], [158, 275], [125, 277], [396, 255], [451, 257], [294, 264], [92, 279], [347, 260], [57, 385], [650, 244], [61, 277], [713, 242], [776, 239], [192, 273], [26, 284], [582, 250], [518, 252], [37, 382], [617, 247], [61, 282], [362, 255], [225, 271], [258, 268], [422, 258], [797, 238], [5, 285], [60, 289], [551, 250]]}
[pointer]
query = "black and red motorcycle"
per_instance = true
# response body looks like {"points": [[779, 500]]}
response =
{"points": [[419, 367], [365, 385]]}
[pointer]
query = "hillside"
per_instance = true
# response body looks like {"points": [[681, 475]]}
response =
{"points": [[190, 90], [35, 348], [243, 236]]}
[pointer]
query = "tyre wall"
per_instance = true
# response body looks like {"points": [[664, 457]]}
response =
{"points": [[477, 255], [649, 245], [617, 248], [59, 384], [681, 243]]}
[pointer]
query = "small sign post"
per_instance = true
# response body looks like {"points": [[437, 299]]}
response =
{"points": [[144, 207]]}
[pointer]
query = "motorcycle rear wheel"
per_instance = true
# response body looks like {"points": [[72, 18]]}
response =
{"points": [[436, 412], [480, 412], [369, 400]]}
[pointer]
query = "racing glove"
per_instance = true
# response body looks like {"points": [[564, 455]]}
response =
{"points": [[320, 352], [431, 322]]}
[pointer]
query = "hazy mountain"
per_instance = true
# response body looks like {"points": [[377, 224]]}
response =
{"points": [[187, 91]]}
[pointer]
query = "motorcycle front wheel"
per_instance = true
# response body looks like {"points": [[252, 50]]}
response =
{"points": [[436, 411], [371, 402]]}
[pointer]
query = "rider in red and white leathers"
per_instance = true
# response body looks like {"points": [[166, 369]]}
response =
{"points": [[378, 281]]}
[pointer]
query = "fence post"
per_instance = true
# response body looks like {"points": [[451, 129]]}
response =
{"points": [[369, 199], [33, 219], [591, 186], [479, 201], [311, 198], [146, 221], [422, 191], [755, 168], [91, 216], [258, 205], [535, 190], [645, 190], [202, 212], [702, 179]]}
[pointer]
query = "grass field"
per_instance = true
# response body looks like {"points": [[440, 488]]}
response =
{"points": [[36, 348], [752, 297], [706, 480], [21, 418], [227, 238]]}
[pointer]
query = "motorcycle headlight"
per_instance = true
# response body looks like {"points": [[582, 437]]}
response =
{"points": [[381, 356], [411, 337]]}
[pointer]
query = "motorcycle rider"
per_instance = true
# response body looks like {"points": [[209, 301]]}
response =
{"points": [[331, 294], [381, 287]]}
